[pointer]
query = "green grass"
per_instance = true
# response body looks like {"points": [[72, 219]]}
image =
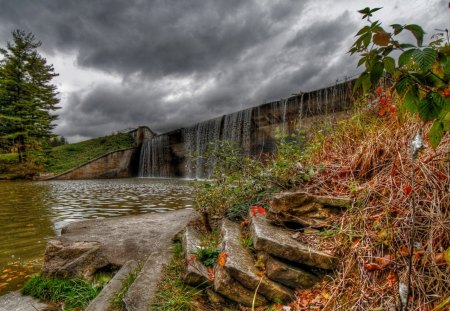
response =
{"points": [[172, 293], [73, 293], [66, 157], [9, 158], [117, 304]]}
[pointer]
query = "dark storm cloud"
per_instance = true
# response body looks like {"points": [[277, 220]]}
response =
{"points": [[233, 54]]}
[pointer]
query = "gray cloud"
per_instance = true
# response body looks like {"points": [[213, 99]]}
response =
{"points": [[177, 62]]}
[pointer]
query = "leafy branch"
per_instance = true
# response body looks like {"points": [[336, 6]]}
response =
{"points": [[420, 75]]}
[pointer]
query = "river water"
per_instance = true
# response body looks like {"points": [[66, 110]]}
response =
{"points": [[33, 212]]}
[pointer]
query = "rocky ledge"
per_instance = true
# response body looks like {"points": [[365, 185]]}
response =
{"points": [[277, 263]]}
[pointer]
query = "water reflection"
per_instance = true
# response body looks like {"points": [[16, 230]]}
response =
{"points": [[32, 212]]}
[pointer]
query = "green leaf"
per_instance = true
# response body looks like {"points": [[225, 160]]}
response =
{"points": [[406, 45], [376, 72], [425, 58], [366, 83], [366, 38], [429, 109], [405, 57], [446, 122], [397, 28], [361, 61], [436, 133], [389, 64], [358, 82], [417, 31], [363, 30], [411, 100], [403, 84]]}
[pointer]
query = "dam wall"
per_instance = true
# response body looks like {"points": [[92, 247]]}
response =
{"points": [[181, 153]]}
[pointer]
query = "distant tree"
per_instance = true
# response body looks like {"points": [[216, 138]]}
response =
{"points": [[27, 96]]}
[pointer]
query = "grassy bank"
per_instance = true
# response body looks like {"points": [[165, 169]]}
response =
{"points": [[66, 157], [62, 158]]}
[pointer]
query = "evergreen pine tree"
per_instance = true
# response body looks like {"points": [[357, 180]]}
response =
{"points": [[27, 96]]}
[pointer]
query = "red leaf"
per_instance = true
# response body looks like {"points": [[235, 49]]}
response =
{"points": [[261, 210], [257, 209], [407, 190], [379, 90], [372, 267]]}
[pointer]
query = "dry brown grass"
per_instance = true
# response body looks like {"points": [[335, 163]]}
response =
{"points": [[369, 158]]}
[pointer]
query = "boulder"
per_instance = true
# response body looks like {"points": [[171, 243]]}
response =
{"points": [[279, 242], [306, 209], [77, 259], [288, 274], [240, 264], [228, 287], [195, 272]]}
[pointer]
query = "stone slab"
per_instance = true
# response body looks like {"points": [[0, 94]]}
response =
{"points": [[228, 287], [279, 242], [306, 209], [103, 301], [240, 264], [15, 301], [195, 272], [288, 274]]}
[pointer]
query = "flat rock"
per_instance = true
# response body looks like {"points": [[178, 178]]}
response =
{"points": [[103, 301], [15, 301], [228, 287], [144, 238], [306, 209], [240, 264], [129, 237], [195, 272], [288, 274], [279, 242]]}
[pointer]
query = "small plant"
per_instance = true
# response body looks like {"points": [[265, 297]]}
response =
{"points": [[208, 255], [73, 293]]}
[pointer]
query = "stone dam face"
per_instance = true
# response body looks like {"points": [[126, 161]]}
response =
{"points": [[253, 130]]}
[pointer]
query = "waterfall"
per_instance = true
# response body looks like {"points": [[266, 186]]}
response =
{"points": [[155, 159], [183, 152], [197, 139]]}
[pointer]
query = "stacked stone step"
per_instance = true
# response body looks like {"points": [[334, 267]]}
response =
{"points": [[287, 263]]}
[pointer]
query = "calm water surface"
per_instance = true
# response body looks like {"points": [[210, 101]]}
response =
{"points": [[33, 212]]}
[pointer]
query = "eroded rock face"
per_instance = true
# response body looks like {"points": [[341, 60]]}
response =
{"points": [[240, 264], [195, 272], [306, 209], [288, 274], [77, 259], [225, 285], [279, 242]]}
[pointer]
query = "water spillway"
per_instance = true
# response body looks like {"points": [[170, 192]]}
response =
{"points": [[182, 153]]}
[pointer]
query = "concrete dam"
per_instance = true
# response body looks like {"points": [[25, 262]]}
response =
{"points": [[252, 130]]}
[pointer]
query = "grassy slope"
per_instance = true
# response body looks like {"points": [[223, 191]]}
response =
{"points": [[66, 157], [62, 158]]}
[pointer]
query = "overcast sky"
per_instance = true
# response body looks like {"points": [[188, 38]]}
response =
{"points": [[171, 63]]}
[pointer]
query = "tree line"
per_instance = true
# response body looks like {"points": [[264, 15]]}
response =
{"points": [[28, 99]]}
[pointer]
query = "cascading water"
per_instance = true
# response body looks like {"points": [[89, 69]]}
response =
{"points": [[251, 129], [155, 159], [197, 139]]}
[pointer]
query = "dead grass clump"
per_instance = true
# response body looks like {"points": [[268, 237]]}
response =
{"points": [[369, 158]]}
